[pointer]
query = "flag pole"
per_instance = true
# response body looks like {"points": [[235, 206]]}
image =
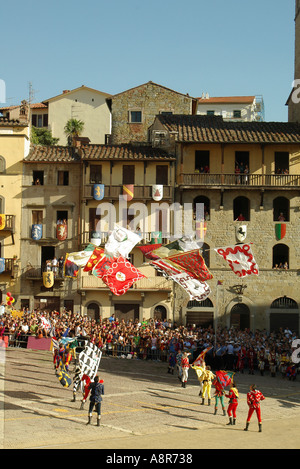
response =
{"points": [[216, 315]]}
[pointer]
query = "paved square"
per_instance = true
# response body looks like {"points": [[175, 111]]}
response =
{"points": [[144, 407]]}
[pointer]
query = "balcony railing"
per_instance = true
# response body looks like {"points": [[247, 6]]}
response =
{"points": [[146, 284], [252, 180], [35, 272], [8, 266], [146, 238], [140, 192], [9, 223]]}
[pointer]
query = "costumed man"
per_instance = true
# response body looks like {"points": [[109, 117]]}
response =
{"points": [[254, 397], [172, 363], [261, 361], [67, 357], [97, 391], [219, 396], [86, 381], [56, 358], [199, 372], [185, 365], [178, 363], [272, 363], [207, 378], [233, 396]]}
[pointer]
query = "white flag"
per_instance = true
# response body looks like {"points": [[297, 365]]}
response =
{"points": [[240, 259], [121, 242]]}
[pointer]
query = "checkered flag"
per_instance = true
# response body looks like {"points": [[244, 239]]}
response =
{"points": [[89, 360]]}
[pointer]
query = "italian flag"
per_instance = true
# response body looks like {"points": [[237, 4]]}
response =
{"points": [[280, 230]]}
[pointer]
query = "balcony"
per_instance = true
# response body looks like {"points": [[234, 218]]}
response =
{"points": [[9, 224], [90, 282], [140, 192], [146, 238], [278, 181], [8, 266], [35, 272]]}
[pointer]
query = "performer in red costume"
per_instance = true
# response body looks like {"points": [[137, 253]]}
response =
{"points": [[185, 365], [254, 397], [86, 380], [233, 396]]}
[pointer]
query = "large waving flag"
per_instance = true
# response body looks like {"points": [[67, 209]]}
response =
{"points": [[240, 259], [117, 273], [80, 258], [147, 250], [201, 358], [70, 268], [121, 275], [197, 290], [95, 257], [121, 242], [193, 263], [223, 378]]}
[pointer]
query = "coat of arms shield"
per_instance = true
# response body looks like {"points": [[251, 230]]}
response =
{"points": [[157, 192], [48, 279], [241, 233]]}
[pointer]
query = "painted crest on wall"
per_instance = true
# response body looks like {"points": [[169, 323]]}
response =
{"points": [[241, 233], [36, 232], [98, 191], [157, 192]]}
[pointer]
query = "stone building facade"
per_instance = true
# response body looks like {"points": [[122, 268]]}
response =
{"points": [[269, 188], [50, 194], [134, 110]]}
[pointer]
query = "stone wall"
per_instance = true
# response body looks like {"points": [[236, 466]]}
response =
{"points": [[151, 100]]}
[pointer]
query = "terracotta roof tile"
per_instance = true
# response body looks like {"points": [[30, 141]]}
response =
{"points": [[213, 129], [52, 154], [123, 152], [5, 122], [227, 100]]}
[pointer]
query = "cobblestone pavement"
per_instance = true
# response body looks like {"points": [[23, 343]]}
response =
{"points": [[144, 407]]}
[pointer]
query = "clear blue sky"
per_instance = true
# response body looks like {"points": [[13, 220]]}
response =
{"points": [[225, 48]]}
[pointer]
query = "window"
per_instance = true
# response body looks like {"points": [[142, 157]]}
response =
{"points": [[39, 120], [128, 174], [135, 117], [282, 162], [62, 178], [284, 303], [162, 174], [201, 199], [281, 209], [62, 217], [241, 209], [38, 178], [202, 161], [95, 174], [280, 257], [237, 114], [37, 217], [2, 164]]}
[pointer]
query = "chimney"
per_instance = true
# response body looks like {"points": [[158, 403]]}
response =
{"points": [[66, 91]]}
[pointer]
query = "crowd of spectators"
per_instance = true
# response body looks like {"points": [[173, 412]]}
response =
{"points": [[151, 339]]}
